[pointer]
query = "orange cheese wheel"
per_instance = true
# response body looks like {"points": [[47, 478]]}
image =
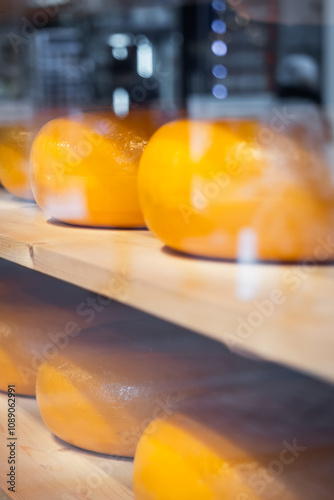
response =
{"points": [[39, 317], [102, 391], [236, 190], [84, 168], [272, 441], [15, 144]]}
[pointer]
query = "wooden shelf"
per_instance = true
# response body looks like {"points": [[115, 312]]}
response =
{"points": [[211, 298], [50, 469]]}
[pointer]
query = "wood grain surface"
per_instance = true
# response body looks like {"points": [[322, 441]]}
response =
{"points": [[48, 469], [277, 312]]}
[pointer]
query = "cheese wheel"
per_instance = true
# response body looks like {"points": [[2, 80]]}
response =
{"points": [[271, 441], [40, 316], [236, 190], [15, 144], [84, 168], [102, 391]]}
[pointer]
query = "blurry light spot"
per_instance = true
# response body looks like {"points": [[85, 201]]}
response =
{"points": [[141, 39], [200, 142], [145, 59], [218, 26], [119, 40], [219, 71], [249, 277], [219, 48], [247, 245], [120, 53], [219, 5], [220, 91], [121, 102]]}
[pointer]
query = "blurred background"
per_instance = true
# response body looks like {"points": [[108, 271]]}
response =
{"points": [[212, 58]]}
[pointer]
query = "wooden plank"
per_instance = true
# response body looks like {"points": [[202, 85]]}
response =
{"points": [[277, 312], [50, 469]]}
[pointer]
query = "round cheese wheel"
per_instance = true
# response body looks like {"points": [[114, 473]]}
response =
{"points": [[236, 190], [84, 168], [271, 441], [16, 140], [102, 391], [39, 317], [15, 144]]}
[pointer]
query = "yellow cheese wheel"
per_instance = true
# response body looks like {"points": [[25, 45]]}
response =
{"points": [[103, 390], [40, 316], [15, 141], [234, 189], [84, 167], [271, 441]]}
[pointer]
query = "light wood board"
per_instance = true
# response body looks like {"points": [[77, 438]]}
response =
{"points": [[211, 298], [48, 469]]}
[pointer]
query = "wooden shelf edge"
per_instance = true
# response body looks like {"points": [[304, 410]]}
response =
{"points": [[253, 309]]}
